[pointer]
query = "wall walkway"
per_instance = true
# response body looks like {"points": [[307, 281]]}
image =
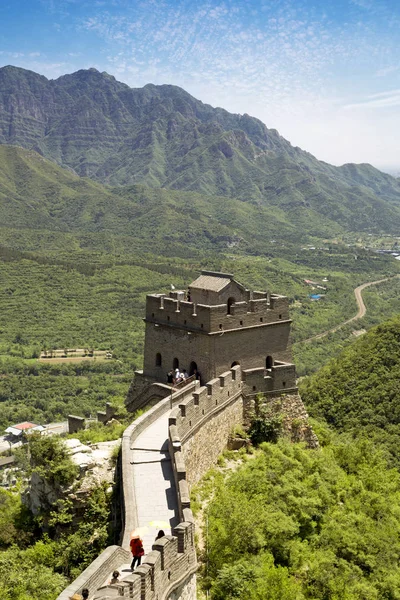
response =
{"points": [[166, 450]]}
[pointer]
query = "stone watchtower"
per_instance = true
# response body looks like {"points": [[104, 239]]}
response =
{"points": [[216, 324]]}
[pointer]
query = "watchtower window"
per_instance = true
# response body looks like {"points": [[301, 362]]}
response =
{"points": [[235, 363], [175, 363], [269, 362], [229, 304], [158, 360]]}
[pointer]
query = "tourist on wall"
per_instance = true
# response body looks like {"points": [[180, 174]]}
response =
{"points": [[137, 550]]}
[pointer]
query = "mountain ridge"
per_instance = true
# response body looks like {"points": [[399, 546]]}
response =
{"points": [[162, 137]]}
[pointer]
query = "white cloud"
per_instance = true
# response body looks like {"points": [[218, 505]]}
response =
{"points": [[379, 100]]}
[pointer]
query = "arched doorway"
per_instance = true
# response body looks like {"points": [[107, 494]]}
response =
{"points": [[158, 360], [192, 368], [175, 363], [229, 304], [235, 362], [269, 362]]}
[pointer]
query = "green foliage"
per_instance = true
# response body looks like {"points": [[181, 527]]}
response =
{"points": [[46, 566], [26, 575], [50, 459], [44, 393], [359, 390], [97, 432], [265, 427], [315, 524], [255, 579]]}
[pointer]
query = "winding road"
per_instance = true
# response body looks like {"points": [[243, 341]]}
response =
{"points": [[360, 313]]}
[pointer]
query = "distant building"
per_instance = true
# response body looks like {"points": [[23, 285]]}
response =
{"points": [[16, 431]]}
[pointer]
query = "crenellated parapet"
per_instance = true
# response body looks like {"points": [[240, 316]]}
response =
{"points": [[199, 428], [262, 310], [279, 378]]}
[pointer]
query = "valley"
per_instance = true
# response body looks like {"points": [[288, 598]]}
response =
{"points": [[109, 193]]}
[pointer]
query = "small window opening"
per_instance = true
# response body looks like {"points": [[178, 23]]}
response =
{"points": [[229, 304], [158, 360], [254, 388], [220, 325], [193, 368], [175, 363], [269, 362], [241, 322], [261, 319], [283, 383], [152, 315], [201, 325], [280, 316], [235, 363], [184, 322]]}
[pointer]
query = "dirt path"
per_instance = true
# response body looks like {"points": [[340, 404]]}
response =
{"points": [[360, 313]]}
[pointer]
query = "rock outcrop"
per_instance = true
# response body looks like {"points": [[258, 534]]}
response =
{"points": [[96, 466]]}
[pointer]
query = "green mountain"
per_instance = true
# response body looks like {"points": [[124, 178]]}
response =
{"points": [[162, 137], [35, 193], [360, 390]]}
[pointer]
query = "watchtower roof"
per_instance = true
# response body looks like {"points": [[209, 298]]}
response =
{"points": [[212, 280]]}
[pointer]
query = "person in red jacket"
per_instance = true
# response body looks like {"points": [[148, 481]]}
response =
{"points": [[137, 550]]}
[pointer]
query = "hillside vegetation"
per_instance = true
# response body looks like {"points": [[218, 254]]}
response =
{"points": [[360, 389], [296, 524]]}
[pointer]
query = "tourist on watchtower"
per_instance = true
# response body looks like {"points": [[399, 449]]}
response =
{"points": [[159, 535], [85, 594], [137, 550], [170, 377]]}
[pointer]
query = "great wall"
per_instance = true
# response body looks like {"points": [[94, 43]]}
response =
{"points": [[191, 425]]}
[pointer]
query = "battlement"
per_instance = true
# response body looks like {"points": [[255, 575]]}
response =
{"points": [[211, 410], [260, 309], [279, 378]]}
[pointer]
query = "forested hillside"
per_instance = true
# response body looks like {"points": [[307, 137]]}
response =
{"points": [[360, 389], [297, 524]]}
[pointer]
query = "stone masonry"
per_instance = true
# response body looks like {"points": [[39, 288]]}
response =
{"points": [[215, 324]]}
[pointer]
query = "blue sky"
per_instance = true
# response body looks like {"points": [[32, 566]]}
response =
{"points": [[326, 74]]}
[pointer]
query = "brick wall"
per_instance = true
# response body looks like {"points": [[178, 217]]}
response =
{"points": [[200, 426]]}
